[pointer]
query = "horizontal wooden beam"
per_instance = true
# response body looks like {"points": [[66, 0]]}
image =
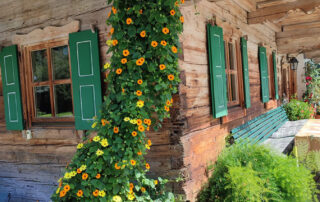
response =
{"points": [[307, 25], [268, 3], [298, 33], [298, 44], [248, 5], [273, 12], [312, 54]]}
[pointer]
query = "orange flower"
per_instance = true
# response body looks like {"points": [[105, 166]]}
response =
{"points": [[176, 3], [172, 12], [125, 53], [116, 130], [129, 21], [174, 49], [133, 162], [66, 188], [140, 61], [162, 67], [134, 133], [79, 193], [104, 122], [147, 166], [149, 142], [60, 183], [154, 44], [148, 128], [62, 193], [166, 108], [168, 102], [109, 14], [145, 121], [95, 193], [143, 34], [164, 43], [85, 176], [123, 90], [139, 81], [114, 10], [114, 42], [139, 122], [165, 30], [112, 30], [98, 176], [119, 71], [170, 77], [182, 19], [171, 100], [182, 1], [116, 166], [124, 60], [139, 93], [79, 171], [141, 11], [141, 128], [131, 185], [139, 153]]}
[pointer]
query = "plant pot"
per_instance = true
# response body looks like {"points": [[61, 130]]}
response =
{"points": [[317, 116]]}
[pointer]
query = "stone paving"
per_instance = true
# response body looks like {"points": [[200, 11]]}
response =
{"points": [[282, 140]]}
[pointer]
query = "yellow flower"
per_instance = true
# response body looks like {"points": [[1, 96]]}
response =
{"points": [[80, 145], [104, 142], [67, 175], [116, 199], [58, 190], [149, 142], [147, 146], [96, 138], [106, 66], [133, 121], [99, 152], [133, 162], [73, 173], [109, 42], [126, 119], [94, 125], [102, 193], [140, 103], [83, 167], [131, 196], [155, 182]]}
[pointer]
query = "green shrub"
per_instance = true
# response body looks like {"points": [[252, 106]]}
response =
{"points": [[254, 173], [297, 110]]}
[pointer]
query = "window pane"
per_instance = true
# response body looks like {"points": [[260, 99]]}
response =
{"points": [[232, 56], [42, 101], [234, 87], [60, 62], [39, 65], [63, 100]]}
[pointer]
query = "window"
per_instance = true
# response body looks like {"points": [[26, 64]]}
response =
{"points": [[232, 74], [50, 85]]}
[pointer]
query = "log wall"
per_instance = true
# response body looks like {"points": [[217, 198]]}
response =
{"points": [[203, 137], [29, 169]]}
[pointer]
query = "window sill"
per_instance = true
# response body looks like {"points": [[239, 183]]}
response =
{"points": [[234, 114], [53, 125]]}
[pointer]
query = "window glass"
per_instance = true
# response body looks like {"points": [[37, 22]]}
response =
{"points": [[42, 101], [39, 65], [234, 85], [60, 62], [63, 100]]}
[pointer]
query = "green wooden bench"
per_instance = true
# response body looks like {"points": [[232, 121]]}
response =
{"points": [[260, 128]]}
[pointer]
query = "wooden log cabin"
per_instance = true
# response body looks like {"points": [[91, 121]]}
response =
{"points": [[40, 104]]}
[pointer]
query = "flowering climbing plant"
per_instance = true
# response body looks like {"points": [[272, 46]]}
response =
{"points": [[142, 76]]}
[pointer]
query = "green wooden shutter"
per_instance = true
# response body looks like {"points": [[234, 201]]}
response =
{"points": [[86, 83], [11, 88], [274, 58], [245, 67], [217, 71], [264, 74]]}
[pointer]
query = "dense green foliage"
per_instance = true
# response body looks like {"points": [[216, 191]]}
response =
{"points": [[297, 110], [254, 173], [142, 77], [312, 80]]}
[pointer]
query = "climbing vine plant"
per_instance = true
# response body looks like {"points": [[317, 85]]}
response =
{"points": [[142, 76]]}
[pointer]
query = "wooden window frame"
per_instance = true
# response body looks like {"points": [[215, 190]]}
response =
{"points": [[32, 120]]}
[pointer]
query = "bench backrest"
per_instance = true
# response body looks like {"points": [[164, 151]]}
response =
{"points": [[260, 128]]}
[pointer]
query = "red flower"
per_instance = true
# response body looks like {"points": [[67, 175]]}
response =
{"points": [[309, 78]]}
